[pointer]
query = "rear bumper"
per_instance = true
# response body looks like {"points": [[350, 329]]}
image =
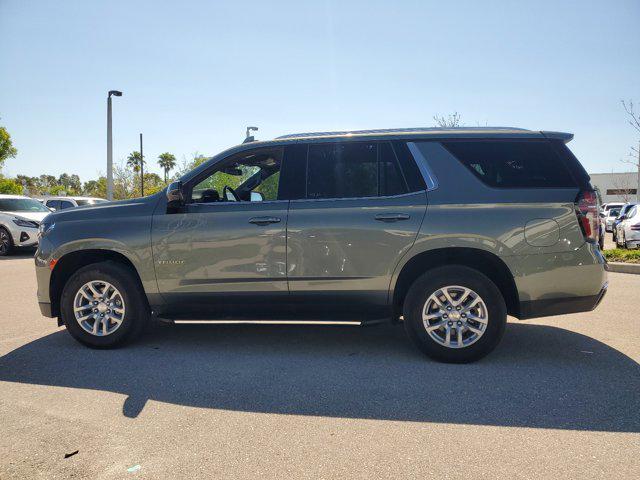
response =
{"points": [[561, 306]]}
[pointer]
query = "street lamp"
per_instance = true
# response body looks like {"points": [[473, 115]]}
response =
{"points": [[115, 93]]}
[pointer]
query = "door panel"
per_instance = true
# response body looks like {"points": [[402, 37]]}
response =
{"points": [[221, 248], [350, 246]]}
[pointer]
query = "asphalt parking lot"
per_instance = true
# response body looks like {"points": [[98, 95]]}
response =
{"points": [[559, 398]]}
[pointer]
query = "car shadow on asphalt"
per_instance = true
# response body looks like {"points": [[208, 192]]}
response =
{"points": [[20, 254], [540, 376]]}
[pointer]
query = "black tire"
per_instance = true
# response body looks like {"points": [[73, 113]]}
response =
{"points": [[429, 283], [136, 315], [6, 242]]}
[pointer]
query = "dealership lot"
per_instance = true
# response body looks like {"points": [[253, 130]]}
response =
{"points": [[559, 398]]}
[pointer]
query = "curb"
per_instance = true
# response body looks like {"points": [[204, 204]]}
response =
{"points": [[620, 267]]}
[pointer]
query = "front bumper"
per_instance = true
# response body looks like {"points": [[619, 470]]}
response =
{"points": [[45, 309], [24, 236]]}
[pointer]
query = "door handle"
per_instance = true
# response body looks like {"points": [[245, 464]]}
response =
{"points": [[264, 220], [391, 217]]}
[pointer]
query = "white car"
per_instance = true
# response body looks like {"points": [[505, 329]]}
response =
{"points": [[611, 215], [20, 218], [628, 230], [61, 203]]}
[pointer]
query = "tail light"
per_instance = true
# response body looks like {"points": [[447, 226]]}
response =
{"points": [[587, 213]]}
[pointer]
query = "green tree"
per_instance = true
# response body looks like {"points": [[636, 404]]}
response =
{"points": [[46, 183], [134, 161], [10, 187], [95, 188], [167, 162], [7, 150], [29, 184], [71, 183]]}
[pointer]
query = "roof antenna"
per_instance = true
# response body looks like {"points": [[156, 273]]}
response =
{"points": [[250, 138]]}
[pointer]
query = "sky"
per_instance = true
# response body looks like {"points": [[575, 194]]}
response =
{"points": [[196, 73]]}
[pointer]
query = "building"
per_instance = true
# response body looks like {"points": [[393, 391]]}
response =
{"points": [[616, 187]]}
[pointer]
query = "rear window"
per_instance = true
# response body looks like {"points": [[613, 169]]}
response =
{"points": [[512, 163]]}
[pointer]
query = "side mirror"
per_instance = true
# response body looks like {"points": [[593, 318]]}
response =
{"points": [[256, 197], [175, 197]]}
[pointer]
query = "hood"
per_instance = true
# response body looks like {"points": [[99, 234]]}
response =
{"points": [[34, 216], [108, 210]]}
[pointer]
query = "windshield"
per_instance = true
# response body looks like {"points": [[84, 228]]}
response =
{"points": [[614, 212], [21, 205]]}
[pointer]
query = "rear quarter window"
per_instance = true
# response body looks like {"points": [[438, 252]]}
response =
{"points": [[512, 163]]}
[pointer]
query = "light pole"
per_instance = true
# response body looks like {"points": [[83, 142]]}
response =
{"points": [[141, 169], [110, 145]]}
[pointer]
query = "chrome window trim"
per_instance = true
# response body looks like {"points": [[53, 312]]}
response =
{"points": [[430, 179], [375, 197], [242, 202]]}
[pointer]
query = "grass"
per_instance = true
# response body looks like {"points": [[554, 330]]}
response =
{"points": [[622, 255]]}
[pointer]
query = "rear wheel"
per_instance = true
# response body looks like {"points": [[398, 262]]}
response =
{"points": [[103, 305], [455, 314], [6, 242]]}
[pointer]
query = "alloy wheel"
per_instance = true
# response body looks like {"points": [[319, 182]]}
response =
{"points": [[4, 242], [99, 308], [455, 316]]}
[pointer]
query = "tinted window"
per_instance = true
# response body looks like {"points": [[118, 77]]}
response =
{"points": [[342, 170], [512, 163], [293, 183], [391, 178], [412, 174], [53, 204], [66, 204]]}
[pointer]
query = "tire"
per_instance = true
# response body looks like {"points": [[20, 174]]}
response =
{"points": [[6, 242], [133, 308], [491, 303]]}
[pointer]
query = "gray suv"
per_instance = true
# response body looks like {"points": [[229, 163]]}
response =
{"points": [[446, 231]]}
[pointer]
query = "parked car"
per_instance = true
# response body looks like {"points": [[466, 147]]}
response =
{"points": [[611, 215], [20, 218], [623, 210], [61, 203], [446, 230], [608, 206], [628, 230]]}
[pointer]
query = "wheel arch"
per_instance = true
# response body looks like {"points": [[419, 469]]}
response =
{"points": [[72, 261], [483, 261]]}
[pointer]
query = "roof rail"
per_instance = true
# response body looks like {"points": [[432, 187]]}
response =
{"points": [[398, 130]]}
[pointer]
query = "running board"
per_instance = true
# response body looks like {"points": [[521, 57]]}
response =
{"points": [[259, 322]]}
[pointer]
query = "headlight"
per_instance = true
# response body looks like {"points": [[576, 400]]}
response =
{"points": [[25, 223], [44, 228]]}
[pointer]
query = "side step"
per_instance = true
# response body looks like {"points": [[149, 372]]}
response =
{"points": [[257, 322]]}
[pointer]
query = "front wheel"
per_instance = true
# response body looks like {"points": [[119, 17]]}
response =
{"points": [[455, 314], [103, 305], [6, 243]]}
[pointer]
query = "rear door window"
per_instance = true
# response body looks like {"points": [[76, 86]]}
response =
{"points": [[512, 163], [392, 181], [66, 204], [342, 170]]}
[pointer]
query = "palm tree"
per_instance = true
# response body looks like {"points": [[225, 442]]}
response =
{"points": [[134, 161], [167, 161]]}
